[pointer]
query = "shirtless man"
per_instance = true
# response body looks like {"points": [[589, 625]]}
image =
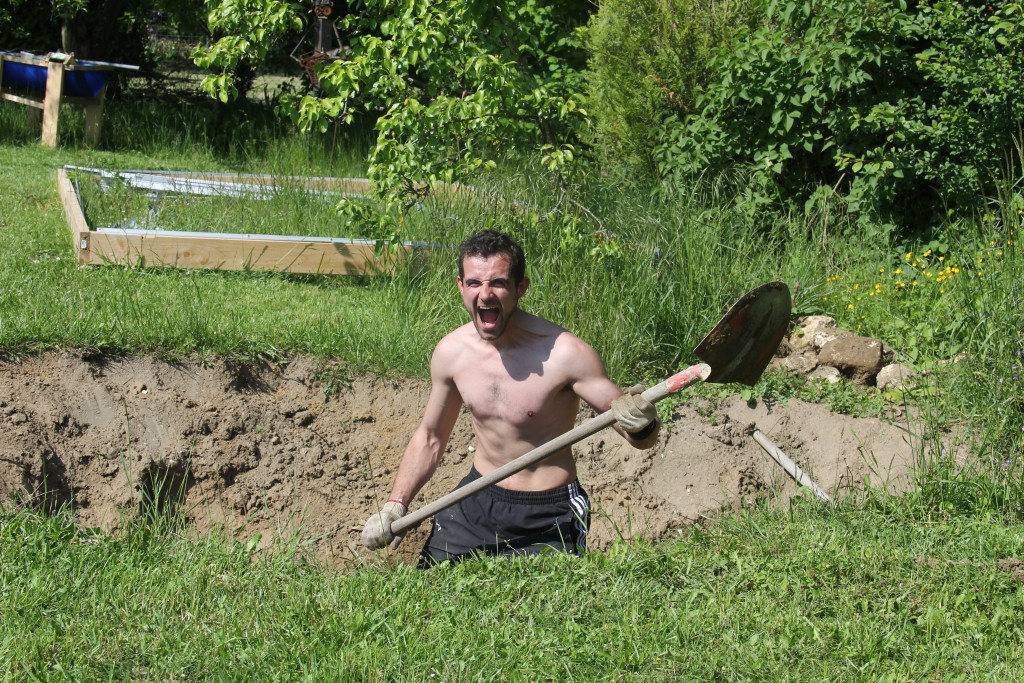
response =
{"points": [[521, 377]]}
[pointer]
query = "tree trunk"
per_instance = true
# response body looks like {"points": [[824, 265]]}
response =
{"points": [[97, 32]]}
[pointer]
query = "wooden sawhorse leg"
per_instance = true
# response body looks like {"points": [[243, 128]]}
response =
{"points": [[51, 103]]}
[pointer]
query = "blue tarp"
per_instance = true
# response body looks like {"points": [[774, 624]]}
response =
{"points": [[33, 77]]}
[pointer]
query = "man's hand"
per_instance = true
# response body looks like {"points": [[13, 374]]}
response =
{"points": [[377, 531], [633, 412]]}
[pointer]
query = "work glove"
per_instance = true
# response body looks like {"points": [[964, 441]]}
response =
{"points": [[377, 531], [632, 411]]}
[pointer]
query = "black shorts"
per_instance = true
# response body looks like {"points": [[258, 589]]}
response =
{"points": [[497, 521]]}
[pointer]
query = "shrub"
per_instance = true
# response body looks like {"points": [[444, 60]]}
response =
{"points": [[648, 59], [908, 112]]}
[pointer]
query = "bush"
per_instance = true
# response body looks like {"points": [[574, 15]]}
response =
{"points": [[907, 112], [648, 59]]}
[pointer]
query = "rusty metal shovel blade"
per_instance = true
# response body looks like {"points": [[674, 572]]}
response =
{"points": [[745, 339]]}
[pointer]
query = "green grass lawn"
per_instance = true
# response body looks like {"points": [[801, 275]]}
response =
{"points": [[863, 593], [925, 587], [47, 300]]}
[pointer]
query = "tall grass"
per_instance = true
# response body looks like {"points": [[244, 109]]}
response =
{"points": [[984, 392], [643, 283]]}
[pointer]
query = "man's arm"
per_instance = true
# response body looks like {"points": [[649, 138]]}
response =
{"points": [[593, 386], [428, 442], [423, 453]]}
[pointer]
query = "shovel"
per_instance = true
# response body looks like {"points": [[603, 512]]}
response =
{"points": [[738, 349]]}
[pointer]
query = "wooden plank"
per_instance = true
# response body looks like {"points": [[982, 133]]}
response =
{"points": [[23, 59], [231, 185], [88, 65], [280, 255], [344, 241], [257, 186], [73, 214], [30, 101], [51, 104]]}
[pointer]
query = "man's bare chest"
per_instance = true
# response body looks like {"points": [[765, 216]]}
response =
{"points": [[497, 394]]}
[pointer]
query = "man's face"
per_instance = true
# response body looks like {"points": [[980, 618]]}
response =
{"points": [[489, 293]]}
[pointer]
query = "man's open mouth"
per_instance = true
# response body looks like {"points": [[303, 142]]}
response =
{"points": [[488, 315]]}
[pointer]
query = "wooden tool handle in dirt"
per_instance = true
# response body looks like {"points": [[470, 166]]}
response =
{"points": [[681, 380], [791, 468]]}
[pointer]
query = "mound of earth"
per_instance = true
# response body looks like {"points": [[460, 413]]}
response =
{"points": [[249, 449]]}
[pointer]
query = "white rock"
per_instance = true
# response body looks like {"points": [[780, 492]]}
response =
{"points": [[894, 376], [826, 373], [801, 362]]}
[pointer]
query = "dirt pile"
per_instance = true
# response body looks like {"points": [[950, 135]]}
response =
{"points": [[261, 449]]}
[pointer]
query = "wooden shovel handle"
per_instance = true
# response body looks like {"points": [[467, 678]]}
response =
{"points": [[677, 382]]}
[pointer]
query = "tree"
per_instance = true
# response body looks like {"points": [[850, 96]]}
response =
{"points": [[648, 61], [453, 85]]}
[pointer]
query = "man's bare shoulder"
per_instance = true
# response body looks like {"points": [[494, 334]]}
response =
{"points": [[574, 354], [453, 344]]}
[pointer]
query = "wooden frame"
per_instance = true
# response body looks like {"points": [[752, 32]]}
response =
{"points": [[227, 251]]}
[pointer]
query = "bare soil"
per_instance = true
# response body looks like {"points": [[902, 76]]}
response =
{"points": [[253, 449]]}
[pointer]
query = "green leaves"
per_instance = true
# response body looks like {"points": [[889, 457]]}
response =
{"points": [[453, 86], [247, 30], [908, 113], [648, 61]]}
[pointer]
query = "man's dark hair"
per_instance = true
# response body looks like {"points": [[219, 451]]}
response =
{"points": [[490, 243]]}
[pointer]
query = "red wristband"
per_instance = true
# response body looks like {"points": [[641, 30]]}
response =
{"points": [[397, 500]]}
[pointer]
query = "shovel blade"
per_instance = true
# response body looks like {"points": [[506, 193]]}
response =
{"points": [[745, 339]]}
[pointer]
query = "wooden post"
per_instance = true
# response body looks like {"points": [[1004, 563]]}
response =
{"points": [[51, 104], [94, 118]]}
